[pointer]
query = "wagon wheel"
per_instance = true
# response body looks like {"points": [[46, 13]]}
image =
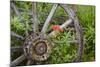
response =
{"points": [[38, 46]]}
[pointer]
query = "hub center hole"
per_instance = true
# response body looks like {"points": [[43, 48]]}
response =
{"points": [[40, 48]]}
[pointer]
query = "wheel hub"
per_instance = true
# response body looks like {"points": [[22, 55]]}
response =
{"points": [[37, 48]]}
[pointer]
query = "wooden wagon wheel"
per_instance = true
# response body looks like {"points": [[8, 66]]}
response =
{"points": [[37, 46]]}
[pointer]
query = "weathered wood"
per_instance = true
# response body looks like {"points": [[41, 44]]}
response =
{"points": [[68, 10], [46, 24], [78, 28], [17, 36], [18, 61], [54, 33], [26, 31], [29, 62], [35, 19], [17, 49], [15, 9]]}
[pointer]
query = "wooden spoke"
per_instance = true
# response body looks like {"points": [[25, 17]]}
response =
{"points": [[44, 29], [29, 62], [26, 31], [17, 36], [18, 61], [35, 20], [15, 9], [17, 49]]}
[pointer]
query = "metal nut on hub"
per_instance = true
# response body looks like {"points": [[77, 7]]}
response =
{"points": [[38, 48]]}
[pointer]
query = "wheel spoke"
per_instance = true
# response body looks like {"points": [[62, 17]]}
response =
{"points": [[18, 49], [15, 9], [26, 31], [29, 62], [44, 29], [17, 36], [54, 33], [18, 61], [35, 20]]}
